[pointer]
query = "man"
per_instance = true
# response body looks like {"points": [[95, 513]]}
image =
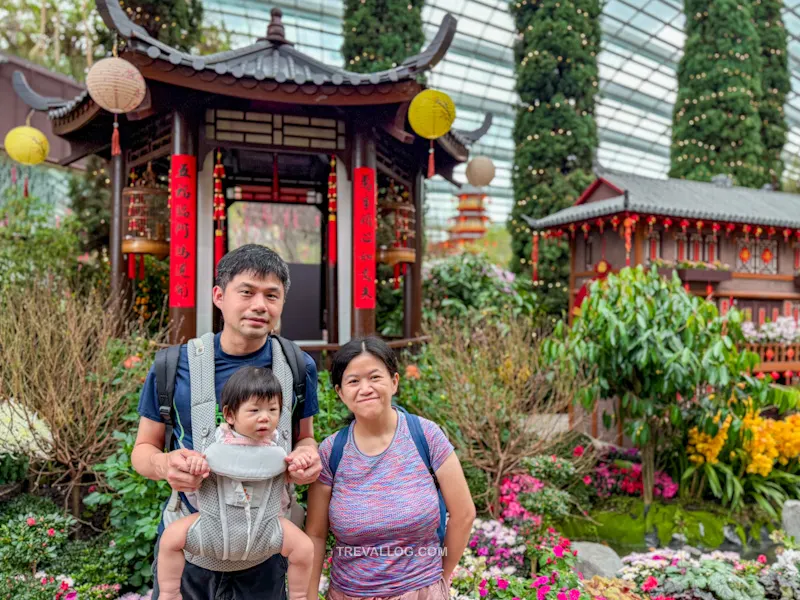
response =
{"points": [[251, 287]]}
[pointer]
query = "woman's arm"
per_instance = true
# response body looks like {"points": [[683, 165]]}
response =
{"points": [[459, 504], [319, 499]]}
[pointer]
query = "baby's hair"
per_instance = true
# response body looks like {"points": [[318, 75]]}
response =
{"points": [[246, 383]]}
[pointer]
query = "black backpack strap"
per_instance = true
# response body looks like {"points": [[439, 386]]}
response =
{"points": [[166, 369], [297, 363]]}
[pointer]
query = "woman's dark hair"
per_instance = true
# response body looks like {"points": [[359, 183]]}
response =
{"points": [[366, 345], [246, 383]]}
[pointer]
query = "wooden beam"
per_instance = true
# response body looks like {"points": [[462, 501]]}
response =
{"points": [[762, 276], [324, 95], [570, 293], [750, 295]]}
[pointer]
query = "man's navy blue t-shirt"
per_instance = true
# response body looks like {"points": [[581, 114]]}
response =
{"points": [[225, 365]]}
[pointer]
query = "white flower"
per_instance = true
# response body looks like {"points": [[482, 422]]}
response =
{"points": [[22, 432]]}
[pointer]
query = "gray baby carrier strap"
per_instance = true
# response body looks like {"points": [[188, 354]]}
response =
{"points": [[231, 537]]}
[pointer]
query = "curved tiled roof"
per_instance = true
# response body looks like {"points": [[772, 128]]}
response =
{"points": [[696, 200], [273, 57]]}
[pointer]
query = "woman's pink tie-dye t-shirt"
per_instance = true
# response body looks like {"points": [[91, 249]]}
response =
{"points": [[384, 513]]}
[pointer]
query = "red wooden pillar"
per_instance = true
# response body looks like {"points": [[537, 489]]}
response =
{"points": [[364, 235]]}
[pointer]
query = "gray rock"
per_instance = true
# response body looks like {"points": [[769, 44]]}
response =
{"points": [[596, 559], [791, 518], [732, 539]]}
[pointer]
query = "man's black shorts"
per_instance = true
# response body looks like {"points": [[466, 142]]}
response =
{"points": [[266, 581]]}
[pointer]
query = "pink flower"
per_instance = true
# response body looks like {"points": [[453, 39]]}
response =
{"points": [[542, 592], [483, 551], [540, 581], [31, 521], [502, 584], [587, 480], [650, 583], [558, 551], [574, 594], [482, 583], [64, 586], [482, 592], [561, 596], [71, 596], [51, 532], [762, 559], [578, 451]]}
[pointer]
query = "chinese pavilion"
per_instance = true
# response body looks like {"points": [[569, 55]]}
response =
{"points": [[736, 246], [265, 144]]}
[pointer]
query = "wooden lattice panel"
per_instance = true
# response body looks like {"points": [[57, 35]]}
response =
{"points": [[273, 129]]}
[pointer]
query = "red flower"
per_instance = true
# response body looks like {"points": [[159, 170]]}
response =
{"points": [[92, 489], [762, 559], [578, 451], [31, 521], [51, 532], [650, 583]]}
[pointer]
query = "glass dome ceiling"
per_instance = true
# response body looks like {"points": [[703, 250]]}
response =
{"points": [[641, 46]]}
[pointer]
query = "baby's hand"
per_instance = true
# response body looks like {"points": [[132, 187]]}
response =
{"points": [[301, 460], [198, 465]]}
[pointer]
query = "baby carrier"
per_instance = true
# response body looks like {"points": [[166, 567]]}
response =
{"points": [[236, 530]]}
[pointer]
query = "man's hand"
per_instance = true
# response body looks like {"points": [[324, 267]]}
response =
{"points": [[180, 466], [304, 465]]}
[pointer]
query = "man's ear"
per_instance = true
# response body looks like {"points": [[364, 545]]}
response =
{"points": [[216, 296]]}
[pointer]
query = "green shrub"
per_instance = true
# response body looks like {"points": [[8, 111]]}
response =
{"points": [[712, 580], [333, 414], [27, 587], [135, 508], [91, 562], [26, 505], [13, 468], [556, 471], [549, 502], [27, 542]]}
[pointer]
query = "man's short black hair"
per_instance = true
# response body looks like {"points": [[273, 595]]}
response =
{"points": [[249, 382], [252, 258]]}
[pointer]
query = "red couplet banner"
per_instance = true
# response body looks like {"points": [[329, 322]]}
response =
{"points": [[364, 238], [183, 229]]}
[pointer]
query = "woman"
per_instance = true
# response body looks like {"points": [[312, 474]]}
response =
{"points": [[382, 505]]}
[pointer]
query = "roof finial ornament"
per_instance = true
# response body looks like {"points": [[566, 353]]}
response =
{"points": [[275, 31]]}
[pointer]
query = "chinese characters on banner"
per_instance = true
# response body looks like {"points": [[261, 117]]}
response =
{"points": [[364, 238], [183, 227]]}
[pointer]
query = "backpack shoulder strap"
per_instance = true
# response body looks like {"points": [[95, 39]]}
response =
{"points": [[421, 442], [338, 448], [297, 363], [166, 369]]}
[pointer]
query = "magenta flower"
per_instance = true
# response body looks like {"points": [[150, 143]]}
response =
{"points": [[558, 551], [574, 594], [542, 592], [502, 584]]}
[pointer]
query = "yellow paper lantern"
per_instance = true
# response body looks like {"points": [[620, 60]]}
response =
{"points": [[116, 85], [431, 114], [27, 145], [480, 171]]}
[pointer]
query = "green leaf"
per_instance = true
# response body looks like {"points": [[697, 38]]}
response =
{"points": [[713, 480]]}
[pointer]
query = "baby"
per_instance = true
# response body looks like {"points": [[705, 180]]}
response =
{"points": [[251, 406]]}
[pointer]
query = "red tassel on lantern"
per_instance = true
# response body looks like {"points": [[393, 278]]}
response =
{"points": [[141, 267], [25, 187], [431, 162], [131, 266], [219, 248], [115, 147], [535, 257], [397, 276]]}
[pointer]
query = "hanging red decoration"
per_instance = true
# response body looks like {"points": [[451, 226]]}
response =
{"points": [[760, 375], [788, 375], [571, 230], [786, 234], [650, 222], [758, 232], [699, 227], [684, 225], [535, 257], [746, 229], [219, 211], [332, 241], [775, 375], [767, 256], [628, 225], [729, 228], [770, 232], [601, 223], [585, 228], [667, 224], [615, 221], [709, 290]]}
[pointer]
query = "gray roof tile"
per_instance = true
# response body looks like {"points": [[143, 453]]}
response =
{"points": [[684, 199]]}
